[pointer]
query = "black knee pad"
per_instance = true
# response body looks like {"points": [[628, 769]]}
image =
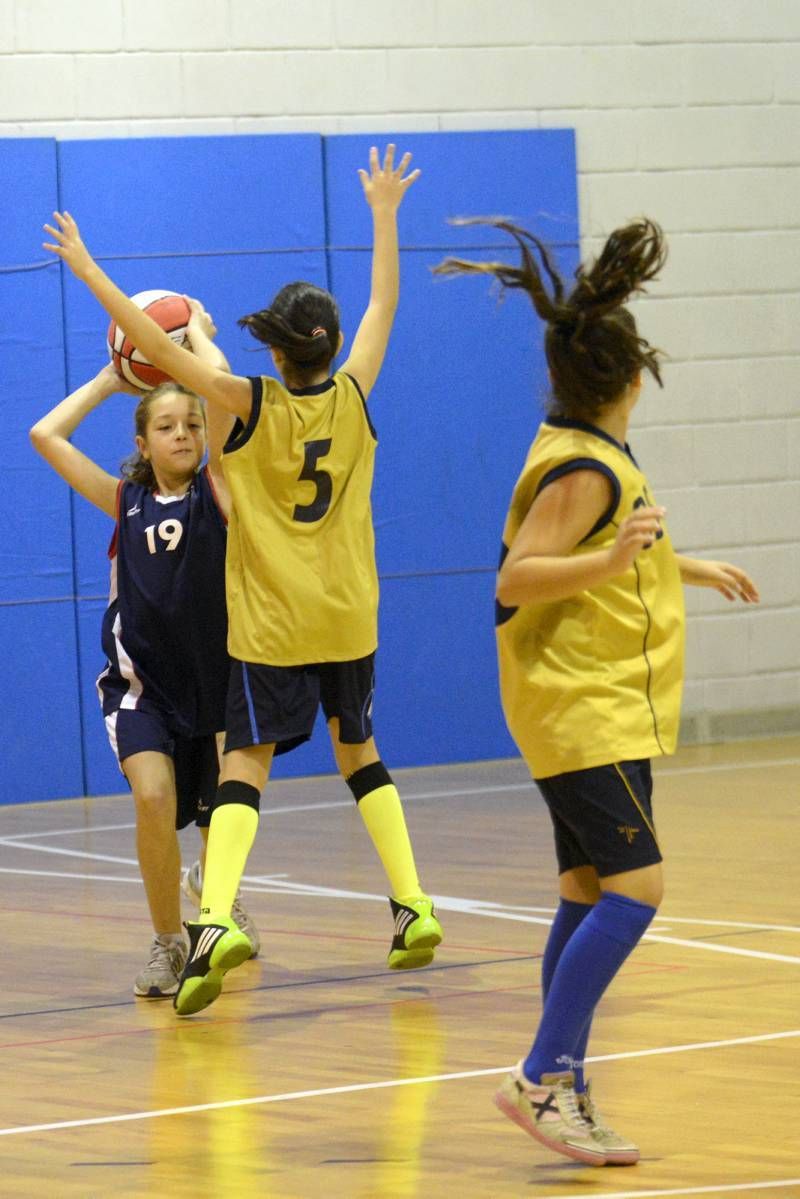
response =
{"points": [[367, 779], [235, 792]]}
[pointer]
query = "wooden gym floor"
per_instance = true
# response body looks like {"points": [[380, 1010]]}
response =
{"points": [[320, 1073]]}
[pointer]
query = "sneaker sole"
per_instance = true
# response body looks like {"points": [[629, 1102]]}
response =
{"points": [[419, 952], [410, 959], [587, 1156], [155, 993], [622, 1157], [201, 991]]}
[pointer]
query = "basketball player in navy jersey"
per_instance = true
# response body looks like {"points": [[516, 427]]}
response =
{"points": [[590, 646], [164, 632]]}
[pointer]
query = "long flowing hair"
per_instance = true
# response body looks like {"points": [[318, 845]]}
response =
{"points": [[592, 345]]}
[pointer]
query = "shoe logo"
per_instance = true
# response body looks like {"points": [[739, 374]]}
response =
{"points": [[133, 511], [207, 940], [549, 1105], [627, 832], [402, 920]]}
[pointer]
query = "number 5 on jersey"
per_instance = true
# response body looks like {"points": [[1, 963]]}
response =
{"points": [[313, 451]]}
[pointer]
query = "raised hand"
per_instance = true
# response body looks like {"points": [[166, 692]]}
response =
{"points": [[200, 320], [68, 245], [384, 186]]}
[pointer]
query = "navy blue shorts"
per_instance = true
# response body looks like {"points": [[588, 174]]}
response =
{"points": [[603, 817], [133, 731], [277, 705]]}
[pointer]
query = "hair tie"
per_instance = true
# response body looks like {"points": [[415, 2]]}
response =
{"points": [[318, 332]]}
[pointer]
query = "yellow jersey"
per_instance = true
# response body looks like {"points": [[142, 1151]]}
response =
{"points": [[595, 678], [300, 574]]}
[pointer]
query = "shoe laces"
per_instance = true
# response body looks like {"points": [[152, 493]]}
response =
{"points": [[165, 953], [570, 1106]]}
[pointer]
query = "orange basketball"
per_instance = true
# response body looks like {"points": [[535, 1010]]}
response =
{"points": [[171, 312]]}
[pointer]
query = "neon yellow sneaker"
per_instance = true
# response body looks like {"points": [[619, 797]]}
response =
{"points": [[192, 887], [214, 949], [417, 932]]}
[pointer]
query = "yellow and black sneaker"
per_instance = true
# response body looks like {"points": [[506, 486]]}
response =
{"points": [[417, 932], [214, 949]]}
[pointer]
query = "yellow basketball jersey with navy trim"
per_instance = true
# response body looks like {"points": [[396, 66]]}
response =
{"points": [[596, 678], [301, 581]]}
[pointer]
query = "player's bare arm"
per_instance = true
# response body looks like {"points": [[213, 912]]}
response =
{"points": [[50, 438], [539, 567], [730, 581], [384, 188], [201, 332]]}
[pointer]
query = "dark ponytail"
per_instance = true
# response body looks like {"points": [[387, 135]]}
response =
{"points": [[303, 322], [592, 345]]}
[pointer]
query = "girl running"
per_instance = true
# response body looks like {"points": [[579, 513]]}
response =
{"points": [[164, 685], [302, 584], [590, 631]]}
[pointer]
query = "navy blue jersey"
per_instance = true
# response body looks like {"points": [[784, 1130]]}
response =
{"points": [[165, 630]]}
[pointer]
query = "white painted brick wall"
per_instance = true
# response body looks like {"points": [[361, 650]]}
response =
{"points": [[687, 110]]}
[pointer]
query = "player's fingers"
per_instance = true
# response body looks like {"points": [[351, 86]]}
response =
{"points": [[388, 160], [412, 178], [403, 163], [374, 161]]}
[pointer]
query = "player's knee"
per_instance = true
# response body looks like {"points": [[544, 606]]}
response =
{"points": [[155, 802], [234, 791]]}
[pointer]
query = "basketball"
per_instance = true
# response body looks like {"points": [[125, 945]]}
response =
{"points": [[171, 312]]}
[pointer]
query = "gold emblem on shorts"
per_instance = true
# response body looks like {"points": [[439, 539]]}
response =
{"points": [[628, 832]]}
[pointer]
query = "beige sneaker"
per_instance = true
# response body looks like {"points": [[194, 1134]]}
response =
{"points": [[618, 1150], [550, 1113]]}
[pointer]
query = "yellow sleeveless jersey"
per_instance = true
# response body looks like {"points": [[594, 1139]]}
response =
{"points": [[301, 581], [596, 678]]}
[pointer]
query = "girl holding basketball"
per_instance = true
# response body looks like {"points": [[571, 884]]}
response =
{"points": [[590, 631], [163, 688], [301, 577]]}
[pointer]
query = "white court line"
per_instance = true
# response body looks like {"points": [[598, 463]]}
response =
{"points": [[279, 884], [450, 793], [766, 763], [727, 1189], [88, 878], [67, 832], [70, 853], [713, 947], [353, 1088]]}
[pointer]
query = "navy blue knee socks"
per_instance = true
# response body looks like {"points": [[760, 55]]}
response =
{"points": [[589, 959]]}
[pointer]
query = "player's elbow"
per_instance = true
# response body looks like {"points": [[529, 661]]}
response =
{"points": [[37, 436], [506, 592]]}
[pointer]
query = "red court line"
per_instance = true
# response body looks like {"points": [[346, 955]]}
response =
{"points": [[266, 931], [180, 1025]]}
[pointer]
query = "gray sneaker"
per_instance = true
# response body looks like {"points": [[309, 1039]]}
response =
{"points": [[619, 1150], [162, 974], [192, 887]]}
